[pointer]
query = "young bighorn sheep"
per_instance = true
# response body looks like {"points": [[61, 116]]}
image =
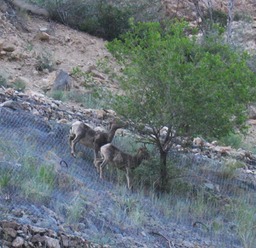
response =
{"points": [[111, 154], [87, 136]]}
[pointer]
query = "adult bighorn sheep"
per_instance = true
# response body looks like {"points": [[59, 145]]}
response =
{"points": [[111, 154], [87, 136]]}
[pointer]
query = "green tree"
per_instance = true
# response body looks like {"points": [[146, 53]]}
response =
{"points": [[170, 79]]}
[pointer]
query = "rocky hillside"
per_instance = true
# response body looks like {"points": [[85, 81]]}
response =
{"points": [[50, 199]]}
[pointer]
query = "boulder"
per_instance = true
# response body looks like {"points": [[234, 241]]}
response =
{"points": [[62, 81]]}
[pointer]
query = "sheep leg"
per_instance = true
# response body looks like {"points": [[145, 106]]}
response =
{"points": [[97, 163], [74, 142], [101, 167], [128, 178], [71, 137]]}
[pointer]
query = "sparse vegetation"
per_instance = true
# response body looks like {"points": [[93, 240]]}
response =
{"points": [[229, 168], [19, 85], [234, 140], [88, 100], [106, 19], [75, 209], [45, 62], [3, 80]]}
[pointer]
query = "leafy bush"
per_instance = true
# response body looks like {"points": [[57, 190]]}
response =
{"points": [[102, 18], [234, 140], [170, 79], [216, 16]]}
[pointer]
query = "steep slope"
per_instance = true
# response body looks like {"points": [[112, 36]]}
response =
{"points": [[63, 195]]}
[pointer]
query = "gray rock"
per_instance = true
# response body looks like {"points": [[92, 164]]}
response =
{"points": [[18, 242], [62, 81]]}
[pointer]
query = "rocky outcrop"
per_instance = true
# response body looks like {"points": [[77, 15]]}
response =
{"points": [[189, 8], [13, 234], [51, 109]]}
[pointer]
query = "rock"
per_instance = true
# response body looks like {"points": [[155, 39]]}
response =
{"points": [[10, 232], [43, 36], [9, 224], [18, 242], [8, 48], [51, 242], [62, 81], [35, 229], [252, 111], [11, 104], [38, 239]]}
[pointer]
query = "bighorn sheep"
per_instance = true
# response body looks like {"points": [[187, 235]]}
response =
{"points": [[87, 136], [111, 154]]}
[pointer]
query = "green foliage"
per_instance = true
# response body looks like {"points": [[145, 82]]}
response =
{"points": [[171, 80], [57, 95], [233, 139], [242, 16], [19, 85], [3, 81], [86, 77], [44, 62], [245, 222], [40, 184], [215, 16], [98, 18], [102, 18], [89, 99], [5, 178], [75, 209], [229, 167]]}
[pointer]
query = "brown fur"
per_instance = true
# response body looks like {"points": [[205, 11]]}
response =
{"points": [[111, 154], [87, 136]]}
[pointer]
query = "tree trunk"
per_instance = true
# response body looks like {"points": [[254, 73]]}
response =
{"points": [[163, 172]]}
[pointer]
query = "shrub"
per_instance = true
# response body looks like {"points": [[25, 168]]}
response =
{"points": [[102, 18], [44, 61], [234, 140], [19, 85]]}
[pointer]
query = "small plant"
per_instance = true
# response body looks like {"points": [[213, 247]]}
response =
{"points": [[87, 77], [3, 81], [29, 46], [229, 167], [45, 62], [19, 85], [40, 184], [5, 178], [242, 16], [75, 209], [58, 95], [234, 140], [245, 221], [76, 71]]}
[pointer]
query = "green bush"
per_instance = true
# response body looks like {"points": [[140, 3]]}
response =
{"points": [[19, 85], [213, 18], [234, 140], [98, 17], [102, 18]]}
